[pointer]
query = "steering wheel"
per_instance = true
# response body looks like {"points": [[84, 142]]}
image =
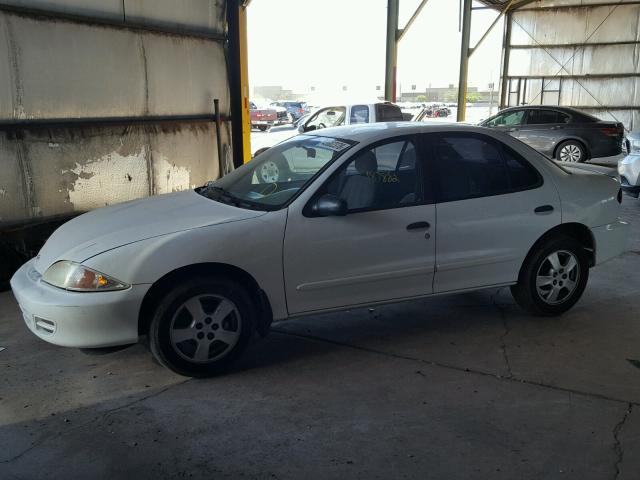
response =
{"points": [[321, 125]]}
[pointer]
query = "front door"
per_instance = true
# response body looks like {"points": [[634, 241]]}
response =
{"points": [[492, 206], [383, 249]]}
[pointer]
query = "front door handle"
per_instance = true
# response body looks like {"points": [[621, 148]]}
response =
{"points": [[418, 226], [543, 209]]}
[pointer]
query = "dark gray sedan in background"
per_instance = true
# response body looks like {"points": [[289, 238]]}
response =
{"points": [[563, 133]]}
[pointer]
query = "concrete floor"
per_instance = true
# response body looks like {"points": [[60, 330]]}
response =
{"points": [[460, 387]]}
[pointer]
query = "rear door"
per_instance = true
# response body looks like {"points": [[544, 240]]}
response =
{"points": [[544, 129], [492, 206]]}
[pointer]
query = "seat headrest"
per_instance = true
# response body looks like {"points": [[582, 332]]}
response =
{"points": [[366, 163]]}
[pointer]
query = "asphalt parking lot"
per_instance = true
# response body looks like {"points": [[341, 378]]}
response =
{"points": [[458, 387]]}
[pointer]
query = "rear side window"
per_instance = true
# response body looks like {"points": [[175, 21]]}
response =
{"points": [[388, 113], [543, 117], [360, 114], [472, 166]]}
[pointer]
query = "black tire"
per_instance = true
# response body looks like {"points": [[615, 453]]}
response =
{"points": [[526, 291], [572, 151], [175, 355], [263, 128]]}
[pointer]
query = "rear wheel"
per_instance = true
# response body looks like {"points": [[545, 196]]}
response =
{"points": [[553, 277], [571, 151], [202, 326], [263, 128]]}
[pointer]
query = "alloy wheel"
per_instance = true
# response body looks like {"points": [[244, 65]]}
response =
{"points": [[205, 328], [557, 277], [570, 153]]}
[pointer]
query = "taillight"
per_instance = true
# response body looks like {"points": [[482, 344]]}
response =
{"points": [[611, 131]]}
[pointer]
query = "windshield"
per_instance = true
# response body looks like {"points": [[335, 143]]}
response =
{"points": [[275, 176]]}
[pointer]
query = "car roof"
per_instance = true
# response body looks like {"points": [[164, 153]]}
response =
{"points": [[559, 108], [372, 132]]}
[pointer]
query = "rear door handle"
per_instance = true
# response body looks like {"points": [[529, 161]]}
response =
{"points": [[541, 210], [418, 226]]}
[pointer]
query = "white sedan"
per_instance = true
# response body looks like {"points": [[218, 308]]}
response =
{"points": [[331, 220]]}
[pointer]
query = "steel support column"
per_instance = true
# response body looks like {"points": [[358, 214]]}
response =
{"points": [[235, 79], [392, 51], [464, 60], [506, 41], [244, 82]]}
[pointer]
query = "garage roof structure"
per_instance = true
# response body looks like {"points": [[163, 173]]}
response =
{"points": [[579, 53]]}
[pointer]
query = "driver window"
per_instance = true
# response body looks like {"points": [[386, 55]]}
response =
{"points": [[385, 176], [329, 117]]}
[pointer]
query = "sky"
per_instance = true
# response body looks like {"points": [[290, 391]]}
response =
{"points": [[332, 44]]}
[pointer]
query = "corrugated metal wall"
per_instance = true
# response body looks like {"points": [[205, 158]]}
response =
{"points": [[125, 60], [581, 53]]}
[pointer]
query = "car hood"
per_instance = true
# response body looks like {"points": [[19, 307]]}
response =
{"points": [[111, 227]]}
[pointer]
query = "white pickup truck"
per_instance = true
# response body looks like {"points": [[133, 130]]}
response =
{"points": [[351, 114], [326, 117]]}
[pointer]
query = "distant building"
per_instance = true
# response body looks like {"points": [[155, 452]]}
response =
{"points": [[275, 92]]}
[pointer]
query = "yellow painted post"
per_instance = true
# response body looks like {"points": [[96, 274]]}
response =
{"points": [[244, 82]]}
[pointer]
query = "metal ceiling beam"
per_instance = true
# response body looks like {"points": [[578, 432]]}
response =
{"points": [[404, 30]]}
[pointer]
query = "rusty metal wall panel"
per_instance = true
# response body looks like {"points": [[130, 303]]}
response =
{"points": [[548, 26], [196, 15], [109, 9], [79, 62], [205, 15], [50, 172], [14, 202], [60, 69], [184, 75]]}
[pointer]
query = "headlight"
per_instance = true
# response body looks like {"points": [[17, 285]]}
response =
{"points": [[76, 277]]}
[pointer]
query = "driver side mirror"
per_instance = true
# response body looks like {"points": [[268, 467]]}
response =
{"points": [[329, 206]]}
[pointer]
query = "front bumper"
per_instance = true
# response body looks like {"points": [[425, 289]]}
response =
{"points": [[75, 319], [611, 240]]}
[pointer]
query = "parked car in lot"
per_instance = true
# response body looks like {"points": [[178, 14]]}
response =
{"points": [[295, 109], [336, 116], [629, 166], [265, 118], [348, 217], [562, 133]]}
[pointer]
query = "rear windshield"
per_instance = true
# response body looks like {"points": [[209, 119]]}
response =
{"points": [[388, 113]]}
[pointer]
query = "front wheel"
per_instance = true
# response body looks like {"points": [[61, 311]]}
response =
{"points": [[553, 277], [571, 151], [202, 326]]}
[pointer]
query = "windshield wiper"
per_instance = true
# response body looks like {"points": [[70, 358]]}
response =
{"points": [[226, 197]]}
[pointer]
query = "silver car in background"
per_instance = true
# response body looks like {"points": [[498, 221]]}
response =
{"points": [[629, 166]]}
